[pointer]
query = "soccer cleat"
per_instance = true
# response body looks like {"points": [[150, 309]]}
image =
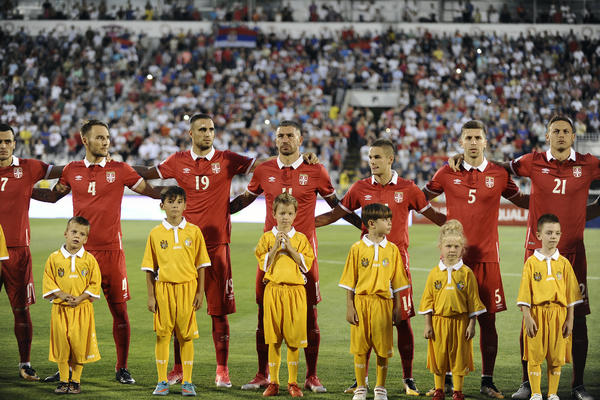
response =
{"points": [[123, 376], [553, 397], [380, 393], [175, 376], [523, 392], [188, 389], [448, 387], [257, 382], [222, 377], [438, 394], [352, 388], [458, 395], [410, 388], [360, 393], [490, 390], [271, 390], [294, 390], [53, 378], [62, 388], [28, 373], [579, 393], [74, 388], [162, 388], [536, 396], [313, 384]]}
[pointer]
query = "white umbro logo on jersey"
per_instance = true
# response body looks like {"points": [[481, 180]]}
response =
{"points": [[368, 197], [271, 179], [545, 171], [186, 170], [457, 181], [78, 177]]}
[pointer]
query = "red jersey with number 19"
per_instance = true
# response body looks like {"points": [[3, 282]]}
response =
{"points": [[207, 183], [16, 185], [97, 195]]}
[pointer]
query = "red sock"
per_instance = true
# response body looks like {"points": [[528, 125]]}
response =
{"points": [[220, 334], [311, 352], [121, 332], [262, 349], [23, 332], [406, 346], [177, 353], [525, 376], [579, 350], [488, 342]]}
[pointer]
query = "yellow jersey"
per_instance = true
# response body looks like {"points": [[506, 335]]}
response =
{"points": [[174, 253], [450, 291], [3, 249], [374, 269], [71, 273], [284, 269], [548, 280]]}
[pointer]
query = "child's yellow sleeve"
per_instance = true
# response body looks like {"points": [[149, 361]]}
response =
{"points": [[202, 258], [49, 284], [95, 282], [3, 249], [525, 296], [149, 262], [262, 249], [427, 299], [475, 306], [399, 279], [306, 252], [572, 286], [350, 274]]}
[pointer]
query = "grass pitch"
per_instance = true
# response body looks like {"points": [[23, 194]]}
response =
{"points": [[335, 362]]}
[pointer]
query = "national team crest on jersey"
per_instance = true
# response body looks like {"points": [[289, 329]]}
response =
{"points": [[385, 262], [364, 262], [18, 172], [303, 179], [460, 285], [111, 176], [437, 285], [188, 242], [537, 276], [558, 276], [61, 272], [489, 181], [398, 197], [577, 171], [215, 167], [164, 244], [84, 272]]}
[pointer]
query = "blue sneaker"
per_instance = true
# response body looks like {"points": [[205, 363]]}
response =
{"points": [[162, 388], [188, 389]]}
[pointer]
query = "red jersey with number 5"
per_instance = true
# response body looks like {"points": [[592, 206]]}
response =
{"points": [[16, 184], [97, 195], [559, 188], [207, 183]]}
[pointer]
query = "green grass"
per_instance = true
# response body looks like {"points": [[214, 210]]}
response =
{"points": [[335, 363]]}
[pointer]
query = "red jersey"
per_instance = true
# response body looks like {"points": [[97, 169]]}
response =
{"points": [[207, 183], [473, 198], [400, 195], [97, 194], [16, 185], [560, 188]]}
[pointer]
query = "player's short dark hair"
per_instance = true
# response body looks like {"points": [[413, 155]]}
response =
{"points": [[546, 218], [285, 199], [288, 122], [374, 211], [172, 192], [78, 219], [87, 126], [474, 124], [385, 143], [198, 116], [6, 127], [560, 117]]}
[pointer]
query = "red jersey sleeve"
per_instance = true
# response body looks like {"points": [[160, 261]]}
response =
{"points": [[166, 169], [522, 165], [436, 184], [418, 201], [511, 189], [38, 169], [254, 186], [64, 177], [238, 164], [351, 200], [325, 188], [129, 176]]}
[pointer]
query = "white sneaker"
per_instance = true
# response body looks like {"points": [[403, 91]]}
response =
{"points": [[553, 397], [536, 396], [360, 393], [380, 393], [523, 392]]}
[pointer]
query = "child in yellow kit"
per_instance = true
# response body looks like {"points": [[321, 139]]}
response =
{"points": [[174, 261], [373, 273], [285, 255], [547, 294], [3, 249], [450, 304], [72, 281]]}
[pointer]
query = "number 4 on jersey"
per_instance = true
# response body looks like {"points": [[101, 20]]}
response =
{"points": [[92, 188]]}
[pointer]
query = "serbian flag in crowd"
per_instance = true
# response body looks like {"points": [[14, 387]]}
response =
{"points": [[235, 37]]}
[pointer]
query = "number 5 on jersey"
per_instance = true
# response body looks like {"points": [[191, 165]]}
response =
{"points": [[202, 181]]}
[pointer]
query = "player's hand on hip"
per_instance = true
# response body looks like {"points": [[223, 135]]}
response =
{"points": [[455, 161], [198, 300], [152, 304]]}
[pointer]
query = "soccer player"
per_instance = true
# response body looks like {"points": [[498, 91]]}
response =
{"points": [[473, 198], [17, 177], [401, 195], [288, 173], [97, 187]]}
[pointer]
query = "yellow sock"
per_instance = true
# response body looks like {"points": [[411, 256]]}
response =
{"points": [[439, 381], [293, 355], [535, 378], [553, 379], [382, 369], [161, 351], [360, 369], [457, 382], [77, 370], [187, 358], [63, 370], [274, 361]]}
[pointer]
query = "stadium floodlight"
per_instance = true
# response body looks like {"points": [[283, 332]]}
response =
{"points": [[458, 70], [186, 117], [479, 51], [267, 122], [149, 77]]}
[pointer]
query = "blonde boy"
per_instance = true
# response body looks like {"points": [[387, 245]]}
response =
{"points": [[373, 273], [547, 294], [72, 281], [450, 303], [285, 255], [174, 261]]}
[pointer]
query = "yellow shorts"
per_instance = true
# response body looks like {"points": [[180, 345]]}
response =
{"points": [[374, 329], [450, 351], [548, 343], [285, 314], [73, 334], [175, 309]]}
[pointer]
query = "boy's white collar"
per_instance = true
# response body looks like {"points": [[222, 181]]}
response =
{"points": [[168, 226], [538, 254], [66, 253], [370, 243], [290, 234]]}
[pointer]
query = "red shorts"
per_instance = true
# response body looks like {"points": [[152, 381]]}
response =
{"points": [[406, 295], [17, 277], [114, 274], [218, 281], [489, 282], [579, 263], [313, 293]]}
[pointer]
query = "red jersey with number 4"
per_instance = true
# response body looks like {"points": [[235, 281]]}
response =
{"points": [[400, 195], [207, 183], [97, 195], [473, 198], [559, 188], [16, 185]]}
